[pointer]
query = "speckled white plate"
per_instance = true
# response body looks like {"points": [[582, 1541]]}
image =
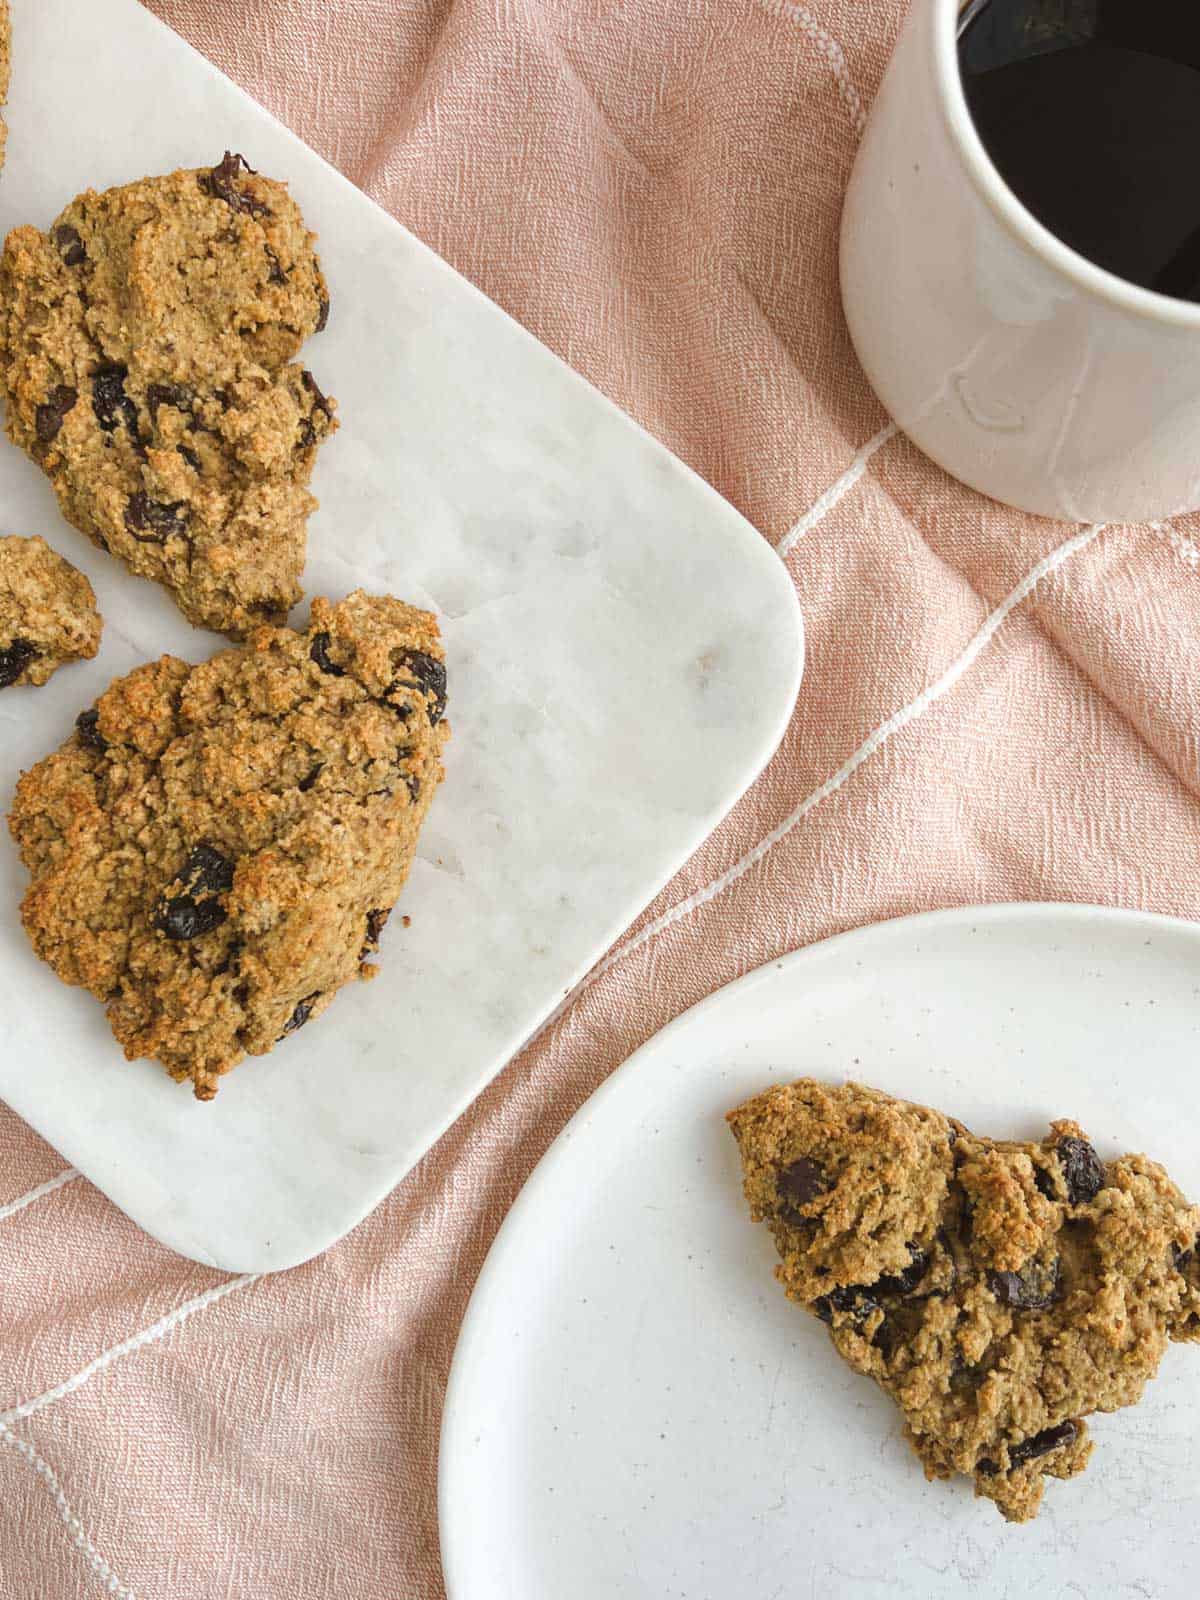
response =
{"points": [[624, 653], [637, 1413]]}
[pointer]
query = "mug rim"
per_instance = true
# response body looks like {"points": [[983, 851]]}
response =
{"points": [[1014, 214]]}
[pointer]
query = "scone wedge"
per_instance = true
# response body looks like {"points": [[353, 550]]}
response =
{"points": [[147, 346], [999, 1291], [216, 849]]}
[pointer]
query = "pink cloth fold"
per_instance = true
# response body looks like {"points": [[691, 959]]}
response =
{"points": [[654, 189]]}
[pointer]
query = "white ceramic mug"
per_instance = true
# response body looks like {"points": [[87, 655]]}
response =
{"points": [[1020, 366]]}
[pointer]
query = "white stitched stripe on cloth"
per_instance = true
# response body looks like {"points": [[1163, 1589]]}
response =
{"points": [[42, 1190], [829, 48], [821, 508], [159, 1330], [79, 1538]]}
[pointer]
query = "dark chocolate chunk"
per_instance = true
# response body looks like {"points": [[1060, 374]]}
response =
{"points": [[1035, 1288], [322, 314], [152, 522], [801, 1181], [1030, 1449], [14, 658], [797, 1184], [310, 777], [87, 725], [1082, 1169], [221, 184], [70, 245], [49, 417], [318, 651], [276, 274]]}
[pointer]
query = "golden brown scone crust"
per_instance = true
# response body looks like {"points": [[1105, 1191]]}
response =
{"points": [[999, 1292], [147, 344], [215, 851]]}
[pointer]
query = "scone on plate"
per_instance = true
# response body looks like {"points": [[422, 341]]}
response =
{"points": [[216, 849], [147, 346], [1000, 1292], [48, 612]]}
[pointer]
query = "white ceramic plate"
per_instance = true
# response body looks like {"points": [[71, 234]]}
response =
{"points": [[624, 653], [635, 1410]]}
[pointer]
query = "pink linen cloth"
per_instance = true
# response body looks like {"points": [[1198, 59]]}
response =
{"points": [[995, 708]]}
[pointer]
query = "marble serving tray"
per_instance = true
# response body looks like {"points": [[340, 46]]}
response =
{"points": [[624, 653]]}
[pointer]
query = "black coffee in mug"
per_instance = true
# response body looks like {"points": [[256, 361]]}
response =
{"points": [[1091, 111]]}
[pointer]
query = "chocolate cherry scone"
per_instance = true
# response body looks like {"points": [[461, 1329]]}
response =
{"points": [[147, 344], [48, 612], [215, 850], [999, 1292]]}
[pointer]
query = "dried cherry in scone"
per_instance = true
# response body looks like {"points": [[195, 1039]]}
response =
{"points": [[197, 908], [319, 652], [1034, 1288], [222, 184], [1082, 1168], [14, 658], [49, 418], [301, 1013], [427, 675], [376, 922], [70, 245], [109, 400], [152, 522], [904, 1282], [177, 395], [855, 1301], [87, 725]]}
